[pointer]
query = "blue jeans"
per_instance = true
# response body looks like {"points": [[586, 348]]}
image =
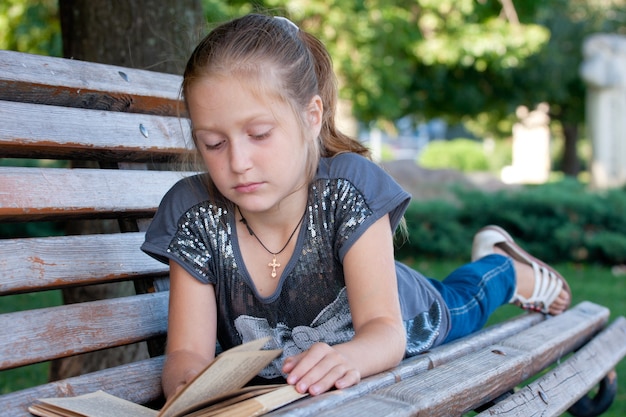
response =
{"points": [[473, 291]]}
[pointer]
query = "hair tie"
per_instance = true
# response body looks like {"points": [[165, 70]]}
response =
{"points": [[289, 22]]}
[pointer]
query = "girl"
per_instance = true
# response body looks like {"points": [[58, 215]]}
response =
{"points": [[289, 233]]}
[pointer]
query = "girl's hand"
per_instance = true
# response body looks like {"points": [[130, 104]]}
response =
{"points": [[319, 369]]}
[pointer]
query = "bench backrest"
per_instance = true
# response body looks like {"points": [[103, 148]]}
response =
{"points": [[122, 126]]}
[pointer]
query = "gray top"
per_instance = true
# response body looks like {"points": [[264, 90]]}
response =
{"points": [[348, 194]]}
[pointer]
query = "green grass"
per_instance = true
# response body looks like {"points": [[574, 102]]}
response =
{"points": [[593, 283]]}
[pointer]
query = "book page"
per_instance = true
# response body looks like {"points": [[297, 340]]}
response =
{"points": [[229, 371], [95, 404], [237, 397], [256, 406]]}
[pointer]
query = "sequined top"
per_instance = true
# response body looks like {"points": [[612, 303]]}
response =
{"points": [[348, 194]]}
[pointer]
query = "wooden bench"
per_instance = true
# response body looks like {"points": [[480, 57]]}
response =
{"points": [[127, 122]]}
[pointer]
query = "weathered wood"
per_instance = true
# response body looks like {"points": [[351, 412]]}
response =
{"points": [[413, 366], [458, 386], [70, 83], [33, 336], [557, 390], [53, 108], [139, 382], [44, 193], [39, 131], [37, 264], [558, 336]]}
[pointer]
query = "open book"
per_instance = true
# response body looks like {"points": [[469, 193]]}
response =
{"points": [[216, 391]]}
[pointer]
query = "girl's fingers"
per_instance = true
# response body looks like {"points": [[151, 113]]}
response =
{"points": [[319, 369]]}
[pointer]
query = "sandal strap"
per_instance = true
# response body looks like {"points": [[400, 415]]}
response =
{"points": [[548, 282], [548, 286]]}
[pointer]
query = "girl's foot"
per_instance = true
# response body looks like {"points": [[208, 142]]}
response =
{"points": [[539, 287]]}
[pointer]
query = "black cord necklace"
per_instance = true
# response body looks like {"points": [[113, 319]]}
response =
{"points": [[272, 264]]}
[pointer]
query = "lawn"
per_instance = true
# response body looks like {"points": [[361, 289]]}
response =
{"points": [[593, 283]]}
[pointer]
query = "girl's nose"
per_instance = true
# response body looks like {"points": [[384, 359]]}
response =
{"points": [[240, 160]]}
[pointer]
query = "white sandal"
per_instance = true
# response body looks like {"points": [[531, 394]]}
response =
{"points": [[548, 282]]}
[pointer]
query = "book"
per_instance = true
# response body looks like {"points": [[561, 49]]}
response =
{"points": [[218, 390]]}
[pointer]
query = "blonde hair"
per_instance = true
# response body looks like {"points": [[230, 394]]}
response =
{"points": [[275, 57]]}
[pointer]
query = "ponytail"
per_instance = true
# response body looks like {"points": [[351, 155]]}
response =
{"points": [[333, 141]]}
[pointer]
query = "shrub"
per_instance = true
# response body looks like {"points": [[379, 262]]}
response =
{"points": [[464, 155], [559, 222]]}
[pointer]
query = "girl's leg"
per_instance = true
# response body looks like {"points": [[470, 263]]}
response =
{"points": [[502, 272], [473, 291]]}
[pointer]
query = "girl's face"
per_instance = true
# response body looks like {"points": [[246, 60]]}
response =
{"points": [[252, 146]]}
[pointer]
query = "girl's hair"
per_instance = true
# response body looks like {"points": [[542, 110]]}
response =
{"points": [[273, 56]]}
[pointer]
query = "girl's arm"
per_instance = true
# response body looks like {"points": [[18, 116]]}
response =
{"points": [[380, 337], [191, 329]]}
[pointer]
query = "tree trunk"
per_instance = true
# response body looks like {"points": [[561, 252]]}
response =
{"points": [[157, 35], [571, 162]]}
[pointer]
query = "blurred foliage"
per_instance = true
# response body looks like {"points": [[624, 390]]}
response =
{"points": [[465, 155], [30, 26], [562, 221]]}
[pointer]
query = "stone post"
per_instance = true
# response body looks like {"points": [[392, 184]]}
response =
{"points": [[531, 147], [604, 72]]}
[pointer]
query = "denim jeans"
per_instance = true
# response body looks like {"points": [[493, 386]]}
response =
{"points": [[473, 291]]}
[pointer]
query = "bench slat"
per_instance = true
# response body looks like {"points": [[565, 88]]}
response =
{"points": [[51, 132], [35, 264], [556, 391], [413, 366], [464, 384], [559, 336], [33, 336], [139, 382], [71, 83], [43, 193], [467, 382]]}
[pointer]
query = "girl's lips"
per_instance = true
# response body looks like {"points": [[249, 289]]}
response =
{"points": [[248, 188]]}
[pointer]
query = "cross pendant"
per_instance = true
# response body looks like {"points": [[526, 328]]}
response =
{"points": [[273, 265]]}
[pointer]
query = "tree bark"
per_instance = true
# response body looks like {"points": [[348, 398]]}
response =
{"points": [[571, 162], [157, 35]]}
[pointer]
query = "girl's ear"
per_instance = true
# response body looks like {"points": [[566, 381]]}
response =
{"points": [[315, 111]]}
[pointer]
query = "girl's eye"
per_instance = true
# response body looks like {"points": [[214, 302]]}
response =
{"points": [[208, 142], [213, 146], [260, 136]]}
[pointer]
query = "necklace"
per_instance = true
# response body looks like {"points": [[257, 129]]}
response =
{"points": [[274, 264]]}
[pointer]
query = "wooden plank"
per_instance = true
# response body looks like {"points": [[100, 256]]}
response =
{"points": [[35, 264], [139, 382], [467, 382], [559, 389], [448, 390], [71, 83], [43, 193], [39, 131], [559, 335], [440, 355], [33, 336]]}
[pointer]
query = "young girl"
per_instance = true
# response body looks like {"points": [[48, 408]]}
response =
{"points": [[289, 233]]}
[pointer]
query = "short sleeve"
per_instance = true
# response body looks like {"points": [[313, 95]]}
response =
{"points": [[370, 186], [177, 201]]}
